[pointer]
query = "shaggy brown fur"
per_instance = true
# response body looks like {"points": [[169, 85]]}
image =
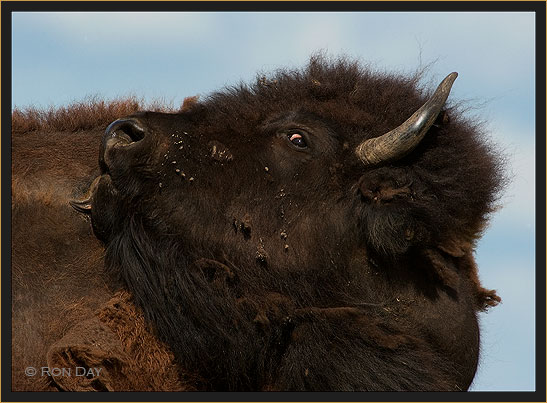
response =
{"points": [[56, 261], [117, 341], [58, 278]]}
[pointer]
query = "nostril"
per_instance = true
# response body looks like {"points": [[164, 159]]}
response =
{"points": [[128, 130], [120, 133]]}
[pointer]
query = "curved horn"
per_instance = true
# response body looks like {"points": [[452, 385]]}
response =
{"points": [[401, 140]]}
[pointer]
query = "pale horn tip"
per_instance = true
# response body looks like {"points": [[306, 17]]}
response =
{"points": [[449, 80]]}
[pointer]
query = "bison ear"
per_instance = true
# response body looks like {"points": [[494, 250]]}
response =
{"points": [[89, 358], [390, 217]]}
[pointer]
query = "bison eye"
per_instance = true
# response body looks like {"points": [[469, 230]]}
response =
{"points": [[297, 139]]}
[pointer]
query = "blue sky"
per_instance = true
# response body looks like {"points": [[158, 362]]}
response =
{"points": [[63, 57]]}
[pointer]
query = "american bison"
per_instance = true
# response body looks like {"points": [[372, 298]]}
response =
{"points": [[313, 230]]}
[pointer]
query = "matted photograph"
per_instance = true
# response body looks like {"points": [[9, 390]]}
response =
{"points": [[294, 198]]}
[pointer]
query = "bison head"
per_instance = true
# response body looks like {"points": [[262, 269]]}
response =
{"points": [[313, 230]]}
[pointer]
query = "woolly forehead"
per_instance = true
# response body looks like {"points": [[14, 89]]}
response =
{"points": [[343, 95]]}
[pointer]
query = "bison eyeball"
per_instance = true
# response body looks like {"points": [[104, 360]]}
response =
{"points": [[297, 139]]}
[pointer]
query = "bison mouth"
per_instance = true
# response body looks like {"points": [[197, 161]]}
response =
{"points": [[83, 205], [100, 201]]}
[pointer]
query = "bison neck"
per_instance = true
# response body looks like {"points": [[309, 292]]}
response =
{"points": [[313, 330]]}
